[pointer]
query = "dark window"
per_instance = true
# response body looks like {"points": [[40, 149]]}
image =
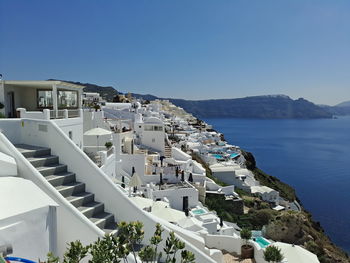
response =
{"points": [[44, 98]]}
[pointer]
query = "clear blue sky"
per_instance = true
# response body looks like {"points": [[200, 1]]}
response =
{"points": [[183, 48]]}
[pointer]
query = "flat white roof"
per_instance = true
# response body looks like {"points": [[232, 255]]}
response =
{"points": [[261, 189], [296, 254], [41, 83], [219, 167], [19, 196]]}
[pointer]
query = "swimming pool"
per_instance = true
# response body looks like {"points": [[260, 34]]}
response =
{"points": [[262, 242], [233, 155], [218, 156], [198, 211]]}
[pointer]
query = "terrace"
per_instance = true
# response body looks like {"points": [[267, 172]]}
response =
{"points": [[41, 99]]}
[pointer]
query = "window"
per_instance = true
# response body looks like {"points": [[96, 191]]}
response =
{"points": [[148, 128], [44, 99], [153, 128], [158, 128], [67, 99]]}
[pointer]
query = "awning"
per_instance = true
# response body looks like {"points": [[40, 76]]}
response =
{"points": [[97, 132]]}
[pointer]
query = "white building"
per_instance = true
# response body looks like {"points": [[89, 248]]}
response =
{"points": [[92, 97], [27, 219], [266, 193]]}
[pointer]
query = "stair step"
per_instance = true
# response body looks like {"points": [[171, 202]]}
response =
{"points": [[111, 229], [71, 188], [43, 160], [80, 199], [65, 183], [91, 208], [102, 219], [61, 178], [52, 169], [32, 151]]}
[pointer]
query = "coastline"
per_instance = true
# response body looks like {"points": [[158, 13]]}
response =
{"points": [[339, 252]]}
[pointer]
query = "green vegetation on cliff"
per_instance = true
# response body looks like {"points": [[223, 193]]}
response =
{"points": [[288, 226], [285, 190]]}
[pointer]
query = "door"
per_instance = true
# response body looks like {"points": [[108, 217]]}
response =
{"points": [[11, 111], [184, 203]]}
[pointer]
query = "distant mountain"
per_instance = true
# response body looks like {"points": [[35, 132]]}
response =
{"points": [[343, 104], [336, 110], [260, 107], [106, 92]]}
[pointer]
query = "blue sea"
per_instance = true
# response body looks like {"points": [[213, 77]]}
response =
{"points": [[313, 156]]}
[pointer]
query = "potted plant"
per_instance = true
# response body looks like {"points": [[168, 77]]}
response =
{"points": [[247, 251], [273, 254], [108, 145]]}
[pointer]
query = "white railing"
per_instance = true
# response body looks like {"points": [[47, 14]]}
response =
{"points": [[65, 113], [47, 114], [75, 225], [97, 182]]}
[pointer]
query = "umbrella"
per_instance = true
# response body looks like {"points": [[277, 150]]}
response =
{"points": [[190, 178], [97, 132], [134, 182]]}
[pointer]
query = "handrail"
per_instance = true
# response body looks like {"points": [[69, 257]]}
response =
{"points": [[96, 180], [27, 171]]}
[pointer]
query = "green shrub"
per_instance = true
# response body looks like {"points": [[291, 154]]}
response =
{"points": [[112, 248], [246, 234], [273, 254], [108, 145]]}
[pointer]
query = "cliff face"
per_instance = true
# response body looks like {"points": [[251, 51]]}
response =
{"points": [[296, 227]]}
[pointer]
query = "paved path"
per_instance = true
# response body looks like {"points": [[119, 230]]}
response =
{"points": [[230, 258]]}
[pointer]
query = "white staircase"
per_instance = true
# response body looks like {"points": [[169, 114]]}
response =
{"points": [[65, 183]]}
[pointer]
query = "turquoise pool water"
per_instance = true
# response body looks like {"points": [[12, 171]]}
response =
{"points": [[262, 242], [219, 156], [198, 211], [233, 155]]}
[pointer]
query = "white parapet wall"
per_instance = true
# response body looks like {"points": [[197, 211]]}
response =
{"points": [[74, 224], [27, 219], [8, 165], [178, 154]]}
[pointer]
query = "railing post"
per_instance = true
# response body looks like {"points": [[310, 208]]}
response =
{"points": [[22, 112], [65, 114], [103, 157], [46, 113]]}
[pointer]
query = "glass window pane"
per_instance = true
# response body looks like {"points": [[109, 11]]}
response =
{"points": [[148, 128], [67, 99], [44, 98]]}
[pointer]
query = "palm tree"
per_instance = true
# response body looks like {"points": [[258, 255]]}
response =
{"points": [[273, 254]]}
